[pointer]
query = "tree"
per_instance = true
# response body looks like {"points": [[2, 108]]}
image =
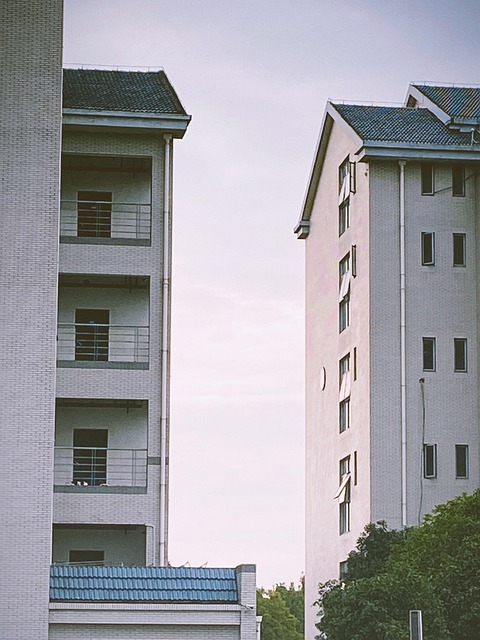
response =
{"points": [[282, 611], [435, 568]]}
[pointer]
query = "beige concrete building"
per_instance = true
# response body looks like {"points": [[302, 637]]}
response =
{"points": [[392, 257], [85, 276]]}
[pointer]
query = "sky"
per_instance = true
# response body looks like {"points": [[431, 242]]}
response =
{"points": [[255, 76]]}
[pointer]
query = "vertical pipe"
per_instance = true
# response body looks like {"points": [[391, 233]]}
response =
{"points": [[403, 391], [165, 347]]}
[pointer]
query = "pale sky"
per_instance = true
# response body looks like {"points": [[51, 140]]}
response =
{"points": [[255, 76]]}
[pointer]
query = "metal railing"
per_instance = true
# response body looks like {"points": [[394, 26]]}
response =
{"points": [[95, 219], [102, 343], [100, 467]]}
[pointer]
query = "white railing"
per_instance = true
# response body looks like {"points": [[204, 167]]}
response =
{"points": [[94, 219], [102, 343], [100, 467]]}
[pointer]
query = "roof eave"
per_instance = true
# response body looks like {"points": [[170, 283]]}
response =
{"points": [[173, 123], [330, 116], [372, 150]]}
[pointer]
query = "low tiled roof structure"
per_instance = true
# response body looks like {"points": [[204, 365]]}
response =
{"points": [[125, 91], [457, 102], [400, 124], [142, 584]]}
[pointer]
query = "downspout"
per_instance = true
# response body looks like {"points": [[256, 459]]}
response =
{"points": [[164, 408], [403, 375]]}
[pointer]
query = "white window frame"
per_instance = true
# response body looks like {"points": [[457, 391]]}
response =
{"points": [[460, 342], [434, 352], [429, 449]]}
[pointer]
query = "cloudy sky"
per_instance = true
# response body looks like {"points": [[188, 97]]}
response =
{"points": [[255, 75]]}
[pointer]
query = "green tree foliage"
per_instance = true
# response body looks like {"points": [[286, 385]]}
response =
{"points": [[282, 611], [435, 568]]}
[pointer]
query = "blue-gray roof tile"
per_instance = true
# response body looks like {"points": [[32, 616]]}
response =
{"points": [[400, 125], [131, 91], [142, 584], [457, 102]]}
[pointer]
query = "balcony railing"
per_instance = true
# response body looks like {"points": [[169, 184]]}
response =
{"points": [[100, 467], [102, 343], [90, 219]]}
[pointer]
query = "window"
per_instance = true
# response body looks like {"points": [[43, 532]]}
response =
{"points": [[354, 260], [354, 363], [428, 249], [458, 180], [344, 292], [86, 556], [460, 348], [94, 214], [355, 465], [91, 334], [343, 569], [461, 460], [459, 249], [90, 457], [344, 415], [343, 495], [346, 185], [427, 179], [429, 460], [428, 354]]}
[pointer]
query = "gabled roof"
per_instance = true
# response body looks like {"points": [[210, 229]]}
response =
{"points": [[142, 584], [457, 102], [125, 91], [399, 124]]}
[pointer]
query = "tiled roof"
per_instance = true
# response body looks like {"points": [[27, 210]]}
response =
{"points": [[142, 584], [400, 125], [457, 102], [133, 91]]}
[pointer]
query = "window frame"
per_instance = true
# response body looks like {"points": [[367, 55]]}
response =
{"points": [[464, 448], [460, 342], [429, 340], [344, 415], [428, 261], [344, 513], [463, 238], [458, 180], [429, 466], [427, 172]]}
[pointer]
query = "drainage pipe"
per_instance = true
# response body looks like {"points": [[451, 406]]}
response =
{"points": [[164, 404], [403, 376]]}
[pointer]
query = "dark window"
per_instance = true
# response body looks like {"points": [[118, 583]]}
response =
{"points": [[459, 249], [344, 495], [343, 217], [344, 292], [94, 214], [354, 260], [344, 415], [427, 179], [91, 334], [354, 363], [90, 457], [86, 556], [343, 569], [428, 354], [429, 460], [344, 309], [355, 477], [461, 460], [460, 347], [428, 249], [458, 180]]}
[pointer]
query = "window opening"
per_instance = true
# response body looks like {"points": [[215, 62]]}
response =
{"points": [[429, 460], [91, 334], [459, 249], [458, 180], [344, 415], [90, 457], [343, 495], [344, 292], [346, 185], [427, 179], [460, 348], [428, 249], [86, 556], [429, 355], [461, 461], [94, 214]]}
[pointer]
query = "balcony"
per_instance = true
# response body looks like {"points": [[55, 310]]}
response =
{"points": [[99, 470], [106, 200], [103, 321], [96, 221], [107, 345]]}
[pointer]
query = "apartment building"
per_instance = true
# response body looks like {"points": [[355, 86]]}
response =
{"points": [[86, 209], [390, 226]]}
